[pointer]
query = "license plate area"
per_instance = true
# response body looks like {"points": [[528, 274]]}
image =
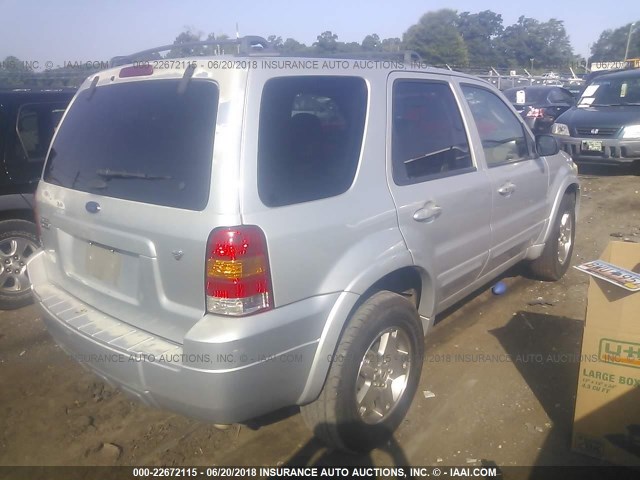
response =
{"points": [[103, 264], [592, 146]]}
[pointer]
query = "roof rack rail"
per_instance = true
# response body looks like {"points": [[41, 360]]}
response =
{"points": [[249, 44], [407, 56]]}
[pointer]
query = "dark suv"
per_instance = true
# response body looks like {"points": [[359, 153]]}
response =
{"points": [[27, 121]]}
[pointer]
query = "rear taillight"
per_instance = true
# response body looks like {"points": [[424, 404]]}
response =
{"points": [[238, 281], [535, 112]]}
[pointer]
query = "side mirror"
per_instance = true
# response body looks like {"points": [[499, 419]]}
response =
{"points": [[547, 145]]}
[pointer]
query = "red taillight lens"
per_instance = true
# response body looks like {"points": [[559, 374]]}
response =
{"points": [[535, 112], [238, 281], [136, 71]]}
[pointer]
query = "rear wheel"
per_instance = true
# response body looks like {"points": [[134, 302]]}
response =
{"points": [[373, 376], [18, 242], [555, 259]]}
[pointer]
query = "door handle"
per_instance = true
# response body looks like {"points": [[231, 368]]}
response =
{"points": [[428, 213], [507, 189]]}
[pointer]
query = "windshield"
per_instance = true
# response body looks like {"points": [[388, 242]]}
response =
{"points": [[143, 141], [612, 91], [529, 95]]}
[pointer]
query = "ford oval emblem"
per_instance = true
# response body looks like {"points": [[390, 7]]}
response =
{"points": [[92, 207]]}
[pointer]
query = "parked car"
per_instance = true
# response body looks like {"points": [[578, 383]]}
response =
{"points": [[540, 105], [27, 121], [226, 242], [604, 128]]}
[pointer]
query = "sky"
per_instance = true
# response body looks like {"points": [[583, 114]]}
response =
{"points": [[84, 31]]}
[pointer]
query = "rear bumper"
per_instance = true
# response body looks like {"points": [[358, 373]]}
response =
{"points": [[209, 377], [614, 151]]}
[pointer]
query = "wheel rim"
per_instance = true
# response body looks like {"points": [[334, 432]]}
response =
{"points": [[565, 237], [383, 375], [14, 253]]}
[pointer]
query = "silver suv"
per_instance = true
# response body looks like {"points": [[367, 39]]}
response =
{"points": [[227, 236]]}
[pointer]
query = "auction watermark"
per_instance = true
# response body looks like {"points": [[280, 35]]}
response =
{"points": [[234, 359], [46, 65]]}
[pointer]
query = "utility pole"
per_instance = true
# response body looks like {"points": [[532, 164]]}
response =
{"points": [[626, 52]]}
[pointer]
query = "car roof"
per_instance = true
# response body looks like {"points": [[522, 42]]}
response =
{"points": [[627, 73]]}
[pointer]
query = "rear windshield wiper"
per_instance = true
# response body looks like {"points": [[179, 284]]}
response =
{"points": [[107, 173]]}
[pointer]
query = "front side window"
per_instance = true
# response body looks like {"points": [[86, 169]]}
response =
{"points": [[428, 136], [502, 134], [310, 137]]}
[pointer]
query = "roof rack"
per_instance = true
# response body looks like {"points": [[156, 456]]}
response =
{"points": [[407, 56], [250, 44]]}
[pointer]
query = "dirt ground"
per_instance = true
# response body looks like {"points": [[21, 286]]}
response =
{"points": [[470, 409]]}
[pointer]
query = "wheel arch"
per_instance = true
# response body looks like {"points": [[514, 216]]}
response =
{"points": [[19, 214], [571, 186], [408, 280]]}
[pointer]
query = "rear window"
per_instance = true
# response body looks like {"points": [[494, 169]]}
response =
{"points": [[531, 95], [149, 142], [310, 137]]}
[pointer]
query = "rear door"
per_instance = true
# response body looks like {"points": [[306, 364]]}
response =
{"points": [[122, 203], [519, 177], [443, 200]]}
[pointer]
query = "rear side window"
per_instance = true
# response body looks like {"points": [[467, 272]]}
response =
{"points": [[428, 139], [35, 125], [147, 141], [310, 137]]}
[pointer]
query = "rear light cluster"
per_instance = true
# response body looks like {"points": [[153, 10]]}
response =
{"points": [[238, 281], [535, 112]]}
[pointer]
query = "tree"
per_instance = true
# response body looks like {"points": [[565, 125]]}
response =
{"points": [[372, 43], [327, 42], [521, 42], [187, 36], [481, 34], [546, 42], [275, 41], [391, 44], [556, 50], [436, 38], [611, 44], [293, 46], [14, 73]]}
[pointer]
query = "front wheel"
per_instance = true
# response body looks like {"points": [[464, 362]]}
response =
{"points": [[373, 376], [18, 243], [556, 256]]}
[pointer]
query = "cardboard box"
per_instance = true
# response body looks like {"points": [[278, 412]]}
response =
{"points": [[607, 414]]}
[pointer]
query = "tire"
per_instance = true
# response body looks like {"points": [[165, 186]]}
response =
{"points": [[18, 242], [387, 323], [556, 256]]}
